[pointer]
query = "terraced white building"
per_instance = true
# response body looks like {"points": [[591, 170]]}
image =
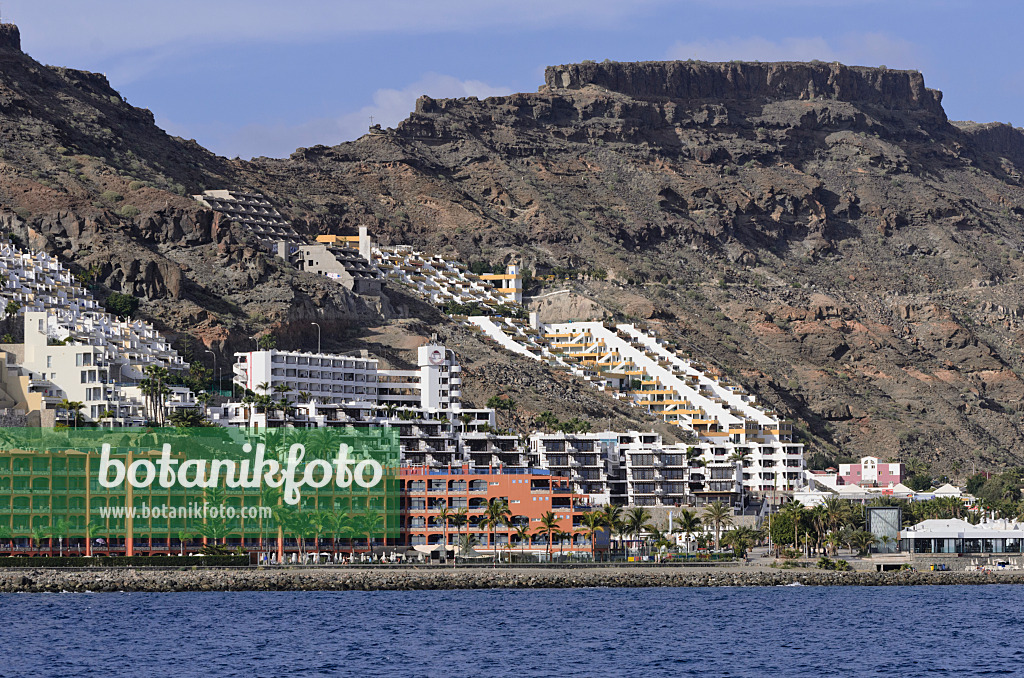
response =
{"points": [[75, 350]]}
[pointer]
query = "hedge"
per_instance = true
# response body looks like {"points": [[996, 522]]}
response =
{"points": [[125, 561]]}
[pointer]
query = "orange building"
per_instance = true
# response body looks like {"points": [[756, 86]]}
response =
{"points": [[530, 494]]}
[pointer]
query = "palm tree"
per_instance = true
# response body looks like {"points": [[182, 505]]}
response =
{"points": [[302, 525], [548, 526], [59, 529], [73, 409], [863, 540], [38, 535], [887, 541], [338, 524], [5, 533], [688, 524], [459, 519], [281, 514], [832, 542], [157, 389], [836, 511], [591, 523], [546, 420], [496, 513], [444, 516], [613, 519], [204, 399], [269, 497], [638, 521], [503, 404], [718, 514], [523, 534], [92, 530], [184, 536], [368, 524], [466, 543]]}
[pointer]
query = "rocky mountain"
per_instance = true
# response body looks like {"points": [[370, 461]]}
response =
{"points": [[88, 177], [822, 232]]}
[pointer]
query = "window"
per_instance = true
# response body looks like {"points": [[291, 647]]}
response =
{"points": [[49, 361]]}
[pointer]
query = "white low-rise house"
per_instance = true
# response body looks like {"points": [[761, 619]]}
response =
{"points": [[960, 536]]}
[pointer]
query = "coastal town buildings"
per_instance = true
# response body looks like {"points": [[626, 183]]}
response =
{"points": [[529, 493]]}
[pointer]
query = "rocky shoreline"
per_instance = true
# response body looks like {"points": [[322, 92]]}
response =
{"points": [[335, 579]]}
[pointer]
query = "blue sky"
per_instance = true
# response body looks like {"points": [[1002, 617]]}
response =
{"points": [[252, 77]]}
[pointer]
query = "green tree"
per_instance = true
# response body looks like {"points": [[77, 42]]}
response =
{"points": [[267, 342], [547, 421], [368, 524], [637, 521], [187, 417], [12, 308], [122, 305], [444, 517], [503, 404], [863, 541]]}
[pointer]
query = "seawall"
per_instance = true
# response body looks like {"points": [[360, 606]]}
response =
{"points": [[384, 579]]}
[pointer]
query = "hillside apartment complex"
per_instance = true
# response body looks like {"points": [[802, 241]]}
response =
{"points": [[73, 349]]}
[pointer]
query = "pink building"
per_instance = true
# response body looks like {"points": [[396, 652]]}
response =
{"points": [[870, 472]]}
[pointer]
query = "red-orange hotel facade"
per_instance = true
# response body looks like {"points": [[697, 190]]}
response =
{"points": [[530, 494]]}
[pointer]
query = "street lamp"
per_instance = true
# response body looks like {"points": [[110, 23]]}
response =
{"points": [[317, 336]]}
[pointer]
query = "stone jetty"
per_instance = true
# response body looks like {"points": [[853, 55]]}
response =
{"points": [[408, 579]]}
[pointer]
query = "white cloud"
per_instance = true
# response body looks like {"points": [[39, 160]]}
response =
{"points": [[868, 49], [389, 107]]}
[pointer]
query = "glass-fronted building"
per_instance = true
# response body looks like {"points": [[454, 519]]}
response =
{"points": [[960, 536]]}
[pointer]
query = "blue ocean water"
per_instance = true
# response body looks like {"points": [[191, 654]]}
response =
{"points": [[785, 631]]}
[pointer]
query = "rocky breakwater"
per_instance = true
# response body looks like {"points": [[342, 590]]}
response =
{"points": [[406, 579]]}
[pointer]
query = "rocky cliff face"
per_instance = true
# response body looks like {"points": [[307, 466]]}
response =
{"points": [[752, 83]]}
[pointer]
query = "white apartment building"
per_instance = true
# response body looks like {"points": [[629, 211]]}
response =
{"points": [[330, 378], [638, 469], [97, 360]]}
